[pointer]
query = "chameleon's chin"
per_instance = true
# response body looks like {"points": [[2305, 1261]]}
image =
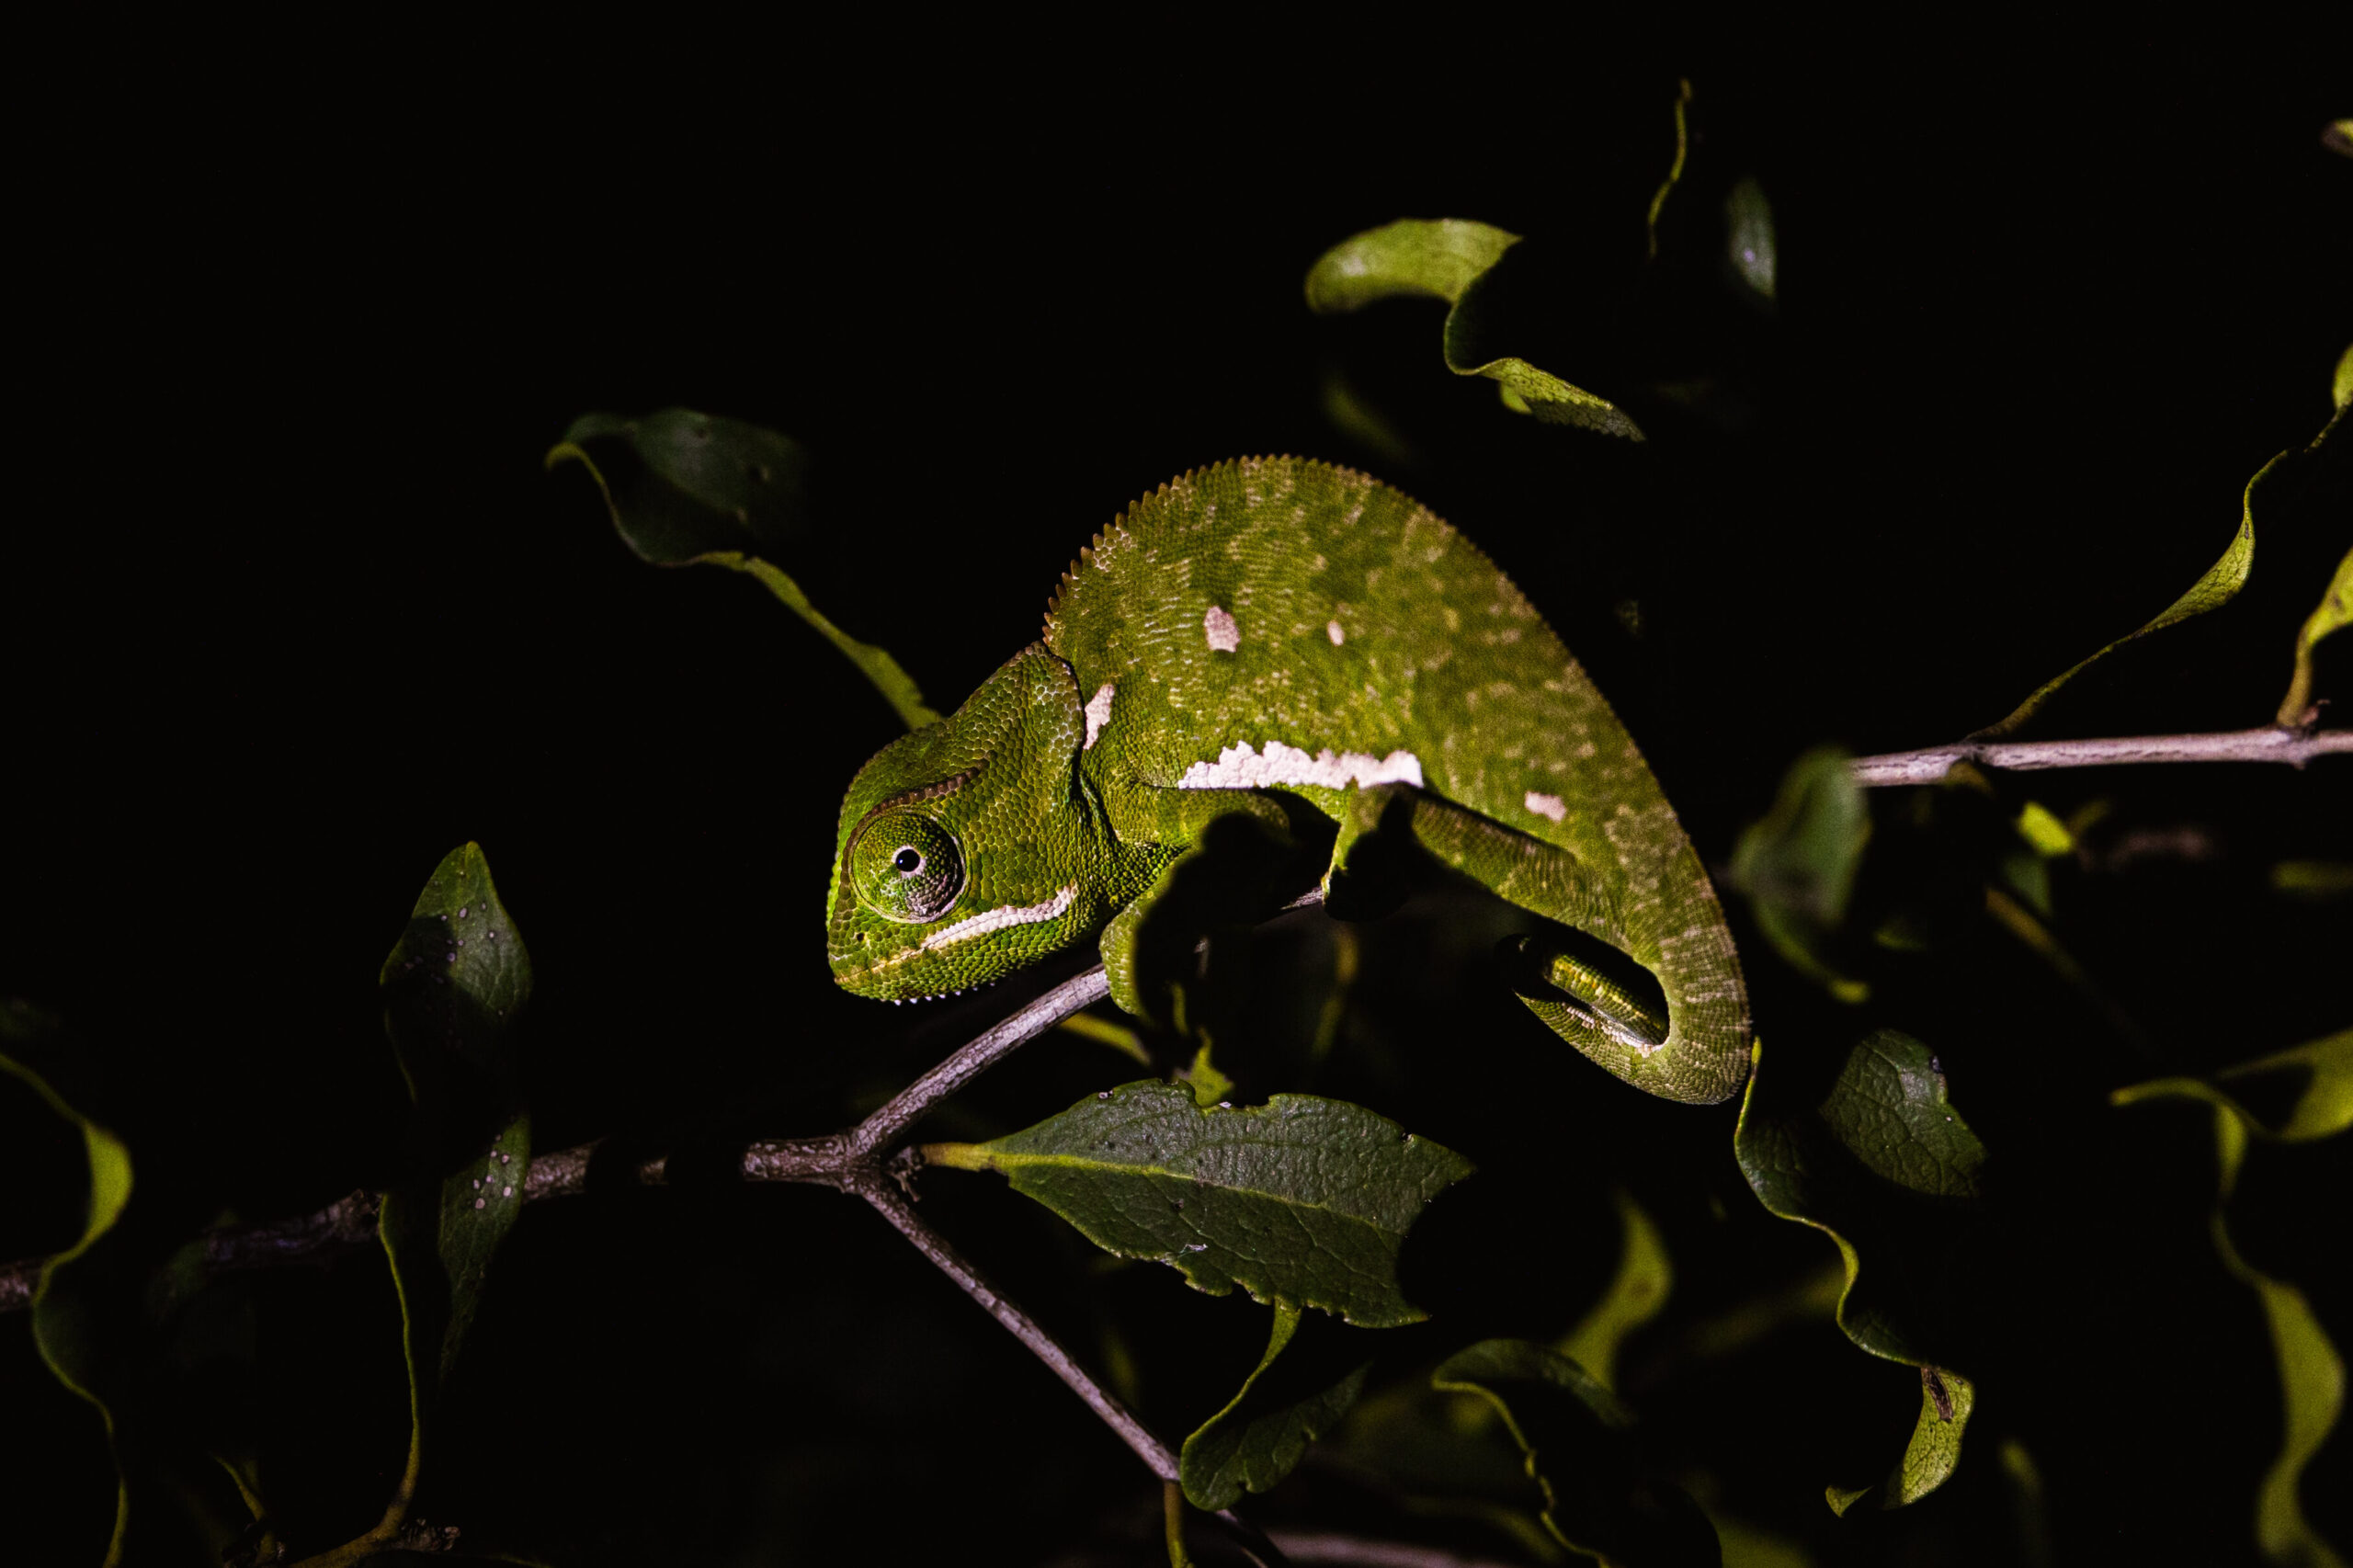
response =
{"points": [[916, 964]]}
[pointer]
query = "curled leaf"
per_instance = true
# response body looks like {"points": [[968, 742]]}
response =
{"points": [[686, 488], [1879, 1160], [1636, 1294], [1301, 1201], [1453, 259], [2305, 1091], [63, 1325], [1797, 864], [682, 484], [1572, 1432], [2217, 586], [1312, 1373], [1946, 1400], [2333, 611], [452, 984], [2318, 1081]]}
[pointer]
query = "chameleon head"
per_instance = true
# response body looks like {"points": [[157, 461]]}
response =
{"points": [[966, 849]]}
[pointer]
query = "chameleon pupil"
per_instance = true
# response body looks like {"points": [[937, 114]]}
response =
{"points": [[907, 861]]}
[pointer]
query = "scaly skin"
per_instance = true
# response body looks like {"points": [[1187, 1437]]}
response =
{"points": [[1279, 626]]}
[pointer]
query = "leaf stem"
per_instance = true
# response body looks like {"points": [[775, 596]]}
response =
{"points": [[2267, 743]]}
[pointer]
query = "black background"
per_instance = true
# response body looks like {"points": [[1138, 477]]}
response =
{"points": [[292, 610]]}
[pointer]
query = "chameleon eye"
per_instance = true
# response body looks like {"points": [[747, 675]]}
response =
{"points": [[906, 867]]}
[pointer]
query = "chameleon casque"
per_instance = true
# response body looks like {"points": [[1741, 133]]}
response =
{"points": [[1270, 633]]}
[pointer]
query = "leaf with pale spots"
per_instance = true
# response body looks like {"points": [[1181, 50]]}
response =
{"points": [[1869, 1149], [1451, 259], [1311, 1374], [1301, 1201], [1576, 1442], [686, 488]]}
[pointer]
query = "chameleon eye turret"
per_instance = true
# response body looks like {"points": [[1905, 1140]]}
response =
{"points": [[907, 868]]}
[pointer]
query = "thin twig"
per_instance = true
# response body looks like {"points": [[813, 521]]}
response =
{"points": [[892, 1205], [1318, 1545], [2270, 743]]}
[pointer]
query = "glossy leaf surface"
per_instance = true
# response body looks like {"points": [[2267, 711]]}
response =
{"points": [[1301, 1201], [1877, 1158], [1312, 1373]]}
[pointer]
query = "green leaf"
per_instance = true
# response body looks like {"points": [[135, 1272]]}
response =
{"points": [[1637, 1294], [2311, 1373], [682, 485], [1302, 1201], [1797, 864], [1572, 1435], [1311, 1374], [1749, 243], [2218, 586], [1879, 1160], [452, 987], [2335, 610], [1209, 1086], [686, 488], [1447, 258], [2340, 389], [1946, 1400], [64, 1324], [2305, 1091]]}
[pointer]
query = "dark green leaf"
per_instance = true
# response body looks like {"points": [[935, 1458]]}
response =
{"points": [[2318, 1081], [1301, 1201], [1749, 242], [1573, 1433], [1634, 1296], [1446, 258], [682, 485], [688, 488], [452, 987], [64, 1322], [2302, 1093], [1309, 1377], [1797, 864], [1879, 1159]]}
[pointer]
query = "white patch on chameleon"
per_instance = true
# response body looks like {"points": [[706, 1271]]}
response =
{"points": [[1223, 635], [1099, 713], [1332, 629], [1245, 768], [1551, 806], [980, 925]]}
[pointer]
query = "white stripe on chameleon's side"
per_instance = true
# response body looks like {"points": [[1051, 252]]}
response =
{"points": [[1223, 634], [1245, 768], [1551, 806], [1099, 713], [1332, 629], [980, 925]]}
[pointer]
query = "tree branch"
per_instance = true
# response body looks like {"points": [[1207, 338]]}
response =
{"points": [[2270, 743]]}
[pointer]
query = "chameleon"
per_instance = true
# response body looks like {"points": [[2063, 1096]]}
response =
{"points": [[1292, 642]]}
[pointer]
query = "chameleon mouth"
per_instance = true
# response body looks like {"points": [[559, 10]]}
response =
{"points": [[964, 930]]}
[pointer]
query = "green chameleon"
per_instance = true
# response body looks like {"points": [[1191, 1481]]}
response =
{"points": [[1304, 646]]}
